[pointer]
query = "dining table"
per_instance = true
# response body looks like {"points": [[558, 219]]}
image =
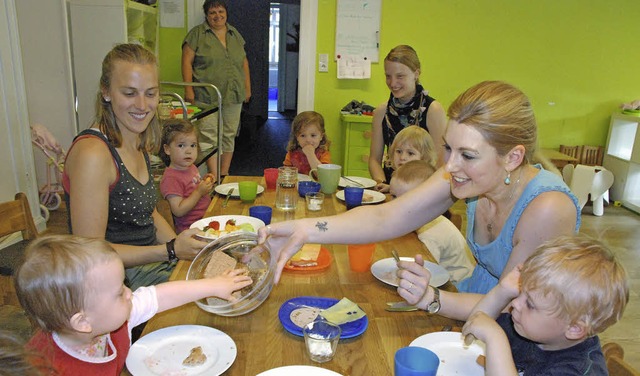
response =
{"points": [[557, 158], [261, 340]]}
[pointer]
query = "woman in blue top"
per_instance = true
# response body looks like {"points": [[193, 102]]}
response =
{"points": [[513, 205]]}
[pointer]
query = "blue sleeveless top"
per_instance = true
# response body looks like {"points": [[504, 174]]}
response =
{"points": [[492, 257]]}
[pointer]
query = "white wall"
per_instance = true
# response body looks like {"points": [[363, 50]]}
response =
{"points": [[42, 26], [17, 167]]}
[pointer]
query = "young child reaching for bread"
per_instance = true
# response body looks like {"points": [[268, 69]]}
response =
{"points": [[544, 316], [73, 290], [181, 185], [308, 146], [442, 238]]}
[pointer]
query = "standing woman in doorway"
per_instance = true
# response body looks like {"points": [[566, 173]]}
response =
{"points": [[213, 52], [408, 104]]}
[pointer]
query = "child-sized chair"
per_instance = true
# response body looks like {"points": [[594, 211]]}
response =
{"points": [[589, 180], [16, 216], [591, 155], [614, 356]]}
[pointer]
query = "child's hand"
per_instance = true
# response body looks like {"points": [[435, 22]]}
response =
{"points": [[511, 282], [482, 327], [308, 150], [206, 184], [382, 187], [228, 282]]}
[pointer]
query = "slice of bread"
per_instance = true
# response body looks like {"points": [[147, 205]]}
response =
{"points": [[196, 357], [307, 256]]}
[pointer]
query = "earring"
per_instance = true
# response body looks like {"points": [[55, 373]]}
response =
{"points": [[507, 180], [107, 99]]}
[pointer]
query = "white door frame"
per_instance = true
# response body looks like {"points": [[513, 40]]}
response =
{"points": [[307, 63]]}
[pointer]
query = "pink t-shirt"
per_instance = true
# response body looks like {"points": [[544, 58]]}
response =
{"points": [[182, 183]]}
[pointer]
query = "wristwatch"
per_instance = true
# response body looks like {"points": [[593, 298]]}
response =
{"points": [[171, 252], [434, 306]]}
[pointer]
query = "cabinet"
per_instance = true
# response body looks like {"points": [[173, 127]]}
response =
{"points": [[622, 157], [357, 139], [95, 27]]}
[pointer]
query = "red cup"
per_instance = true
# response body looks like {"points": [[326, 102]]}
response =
{"points": [[271, 177], [360, 256]]}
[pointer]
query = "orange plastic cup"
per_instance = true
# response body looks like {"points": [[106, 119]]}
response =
{"points": [[360, 256]]}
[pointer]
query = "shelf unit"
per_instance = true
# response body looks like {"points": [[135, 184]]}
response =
{"points": [[95, 27], [357, 139], [622, 157]]}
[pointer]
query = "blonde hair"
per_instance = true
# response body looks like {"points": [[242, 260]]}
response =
{"points": [[404, 55], [170, 129], [302, 120], [583, 276], [501, 113], [413, 172], [50, 284], [105, 117], [419, 139], [16, 360]]}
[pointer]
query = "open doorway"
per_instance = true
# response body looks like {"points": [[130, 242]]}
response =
{"points": [[284, 47]]}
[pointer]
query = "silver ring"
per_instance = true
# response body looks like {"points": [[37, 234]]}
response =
{"points": [[410, 286]]}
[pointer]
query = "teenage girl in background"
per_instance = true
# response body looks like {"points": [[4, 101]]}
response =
{"points": [[308, 145], [181, 184]]}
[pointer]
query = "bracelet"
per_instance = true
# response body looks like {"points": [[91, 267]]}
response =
{"points": [[171, 252]]}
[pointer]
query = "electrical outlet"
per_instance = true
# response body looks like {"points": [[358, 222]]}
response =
{"points": [[323, 63]]}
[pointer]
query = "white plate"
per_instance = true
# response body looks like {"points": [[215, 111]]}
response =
{"points": [[365, 182], [299, 370], [224, 189], [455, 358], [376, 196], [385, 271], [255, 222], [162, 352], [303, 177]]}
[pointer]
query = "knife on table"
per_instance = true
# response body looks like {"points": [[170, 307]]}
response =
{"points": [[226, 200]]}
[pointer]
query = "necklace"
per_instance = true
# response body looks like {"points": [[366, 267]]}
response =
{"points": [[513, 191]]}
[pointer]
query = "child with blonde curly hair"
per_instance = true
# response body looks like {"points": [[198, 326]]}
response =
{"points": [[308, 145], [411, 144]]}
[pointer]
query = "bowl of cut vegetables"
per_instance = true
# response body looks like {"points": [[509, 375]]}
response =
{"points": [[222, 225]]}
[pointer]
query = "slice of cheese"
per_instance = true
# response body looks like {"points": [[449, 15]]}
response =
{"points": [[307, 256], [343, 312]]}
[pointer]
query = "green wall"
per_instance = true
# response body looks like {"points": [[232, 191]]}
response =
{"points": [[576, 60]]}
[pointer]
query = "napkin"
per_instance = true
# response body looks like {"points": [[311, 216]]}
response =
{"points": [[343, 312]]}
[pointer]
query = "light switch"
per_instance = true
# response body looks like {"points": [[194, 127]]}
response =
{"points": [[323, 62]]}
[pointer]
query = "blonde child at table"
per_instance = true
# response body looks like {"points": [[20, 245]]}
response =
{"points": [[181, 184], [544, 316], [308, 145], [73, 289], [442, 238], [411, 144]]}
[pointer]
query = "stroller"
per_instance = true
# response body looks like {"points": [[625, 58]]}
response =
{"points": [[50, 193]]}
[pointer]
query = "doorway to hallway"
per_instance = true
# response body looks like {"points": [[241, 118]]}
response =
{"points": [[284, 47]]}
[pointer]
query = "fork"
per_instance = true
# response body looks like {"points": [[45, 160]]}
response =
{"points": [[226, 200], [353, 181]]}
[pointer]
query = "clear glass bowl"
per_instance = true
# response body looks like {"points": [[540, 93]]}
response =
{"points": [[261, 268]]}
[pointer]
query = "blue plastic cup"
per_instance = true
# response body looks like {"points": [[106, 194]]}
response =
{"points": [[415, 361], [261, 212], [353, 196]]}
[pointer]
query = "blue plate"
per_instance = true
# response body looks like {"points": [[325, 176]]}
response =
{"points": [[349, 330]]}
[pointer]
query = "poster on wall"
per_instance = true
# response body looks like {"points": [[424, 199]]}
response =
{"points": [[358, 28], [171, 13]]}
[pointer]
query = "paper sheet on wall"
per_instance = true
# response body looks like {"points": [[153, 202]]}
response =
{"points": [[171, 13], [354, 67]]}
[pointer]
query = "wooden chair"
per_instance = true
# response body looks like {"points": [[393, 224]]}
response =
{"points": [[16, 216], [614, 356], [572, 151], [591, 155]]}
